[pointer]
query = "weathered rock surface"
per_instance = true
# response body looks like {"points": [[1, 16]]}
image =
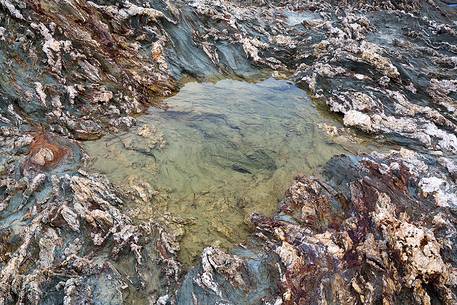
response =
{"points": [[367, 233], [368, 236], [376, 229], [64, 238]]}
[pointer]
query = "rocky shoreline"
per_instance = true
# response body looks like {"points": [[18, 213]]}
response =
{"points": [[373, 229]]}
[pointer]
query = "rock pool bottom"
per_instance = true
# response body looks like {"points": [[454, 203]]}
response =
{"points": [[219, 152]]}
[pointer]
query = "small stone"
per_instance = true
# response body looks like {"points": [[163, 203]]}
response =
{"points": [[357, 118], [43, 156]]}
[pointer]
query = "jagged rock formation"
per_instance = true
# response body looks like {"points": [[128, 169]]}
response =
{"points": [[387, 67], [73, 70], [64, 237], [372, 234], [375, 230]]}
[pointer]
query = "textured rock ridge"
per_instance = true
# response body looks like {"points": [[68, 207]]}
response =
{"points": [[373, 229], [368, 232]]}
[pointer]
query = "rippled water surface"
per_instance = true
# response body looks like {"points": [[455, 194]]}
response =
{"points": [[218, 153]]}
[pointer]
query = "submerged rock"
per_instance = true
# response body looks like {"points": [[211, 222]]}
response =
{"points": [[364, 234], [375, 229]]}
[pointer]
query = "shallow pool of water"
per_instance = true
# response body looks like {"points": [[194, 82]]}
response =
{"points": [[218, 153]]}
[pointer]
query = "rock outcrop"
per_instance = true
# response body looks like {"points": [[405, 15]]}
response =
{"points": [[375, 229], [368, 232]]}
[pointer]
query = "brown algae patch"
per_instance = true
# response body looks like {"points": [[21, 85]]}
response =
{"points": [[219, 152]]}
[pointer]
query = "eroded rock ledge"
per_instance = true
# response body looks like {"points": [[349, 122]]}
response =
{"points": [[382, 232], [377, 229]]}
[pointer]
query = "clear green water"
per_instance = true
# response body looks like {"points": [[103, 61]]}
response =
{"points": [[232, 148]]}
